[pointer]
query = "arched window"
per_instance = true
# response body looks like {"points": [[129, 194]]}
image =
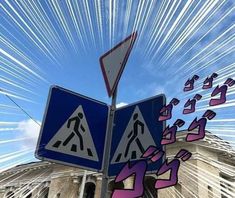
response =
{"points": [[210, 192], [178, 189], [149, 187], [27, 194], [89, 191], [44, 193], [9, 195], [112, 185]]}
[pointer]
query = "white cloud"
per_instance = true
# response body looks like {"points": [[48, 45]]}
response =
{"points": [[121, 104], [159, 90], [30, 130], [151, 89]]}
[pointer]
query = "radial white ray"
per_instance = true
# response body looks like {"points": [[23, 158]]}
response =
{"points": [[198, 20], [45, 50]]}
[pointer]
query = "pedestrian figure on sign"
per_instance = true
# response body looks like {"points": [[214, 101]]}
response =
{"points": [[134, 133], [76, 130]]}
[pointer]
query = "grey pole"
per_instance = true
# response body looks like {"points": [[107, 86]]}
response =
{"points": [[83, 184], [104, 188]]}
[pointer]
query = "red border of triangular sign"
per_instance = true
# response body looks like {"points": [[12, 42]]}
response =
{"points": [[109, 89]]}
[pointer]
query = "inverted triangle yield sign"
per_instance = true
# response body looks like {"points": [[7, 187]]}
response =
{"points": [[113, 62]]}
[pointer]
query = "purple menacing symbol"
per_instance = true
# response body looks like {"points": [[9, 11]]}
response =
{"points": [[154, 153], [166, 111], [173, 166], [183, 154], [191, 104], [222, 91], [201, 125], [169, 134], [208, 82], [189, 84], [138, 170]]}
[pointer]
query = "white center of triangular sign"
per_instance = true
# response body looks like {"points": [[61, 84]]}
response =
{"points": [[114, 61], [74, 137], [135, 139]]}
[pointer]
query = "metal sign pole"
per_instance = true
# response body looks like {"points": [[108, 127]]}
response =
{"points": [[83, 184], [104, 189]]}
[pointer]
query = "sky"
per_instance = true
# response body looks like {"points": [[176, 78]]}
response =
{"points": [[51, 42]]}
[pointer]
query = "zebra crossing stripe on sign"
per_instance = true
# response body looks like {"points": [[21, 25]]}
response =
{"points": [[74, 137]]}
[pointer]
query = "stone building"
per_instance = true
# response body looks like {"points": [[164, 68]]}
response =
{"points": [[210, 172]]}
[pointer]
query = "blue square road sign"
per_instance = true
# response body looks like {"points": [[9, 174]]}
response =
{"points": [[73, 130], [135, 128]]}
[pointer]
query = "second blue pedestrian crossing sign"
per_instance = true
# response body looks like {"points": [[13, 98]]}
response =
{"points": [[135, 128]]}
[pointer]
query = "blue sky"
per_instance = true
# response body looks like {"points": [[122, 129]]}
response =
{"points": [[60, 42]]}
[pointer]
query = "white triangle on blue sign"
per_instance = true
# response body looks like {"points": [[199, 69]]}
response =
{"points": [[135, 139], [74, 137]]}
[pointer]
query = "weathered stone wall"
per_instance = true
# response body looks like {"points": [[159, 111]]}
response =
{"points": [[63, 187], [208, 174], [199, 177], [187, 184]]}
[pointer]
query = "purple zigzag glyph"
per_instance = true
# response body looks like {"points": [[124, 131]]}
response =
{"points": [[169, 134], [208, 83], [173, 167], [189, 84], [201, 125], [166, 111], [191, 104], [138, 169], [222, 90], [152, 154]]}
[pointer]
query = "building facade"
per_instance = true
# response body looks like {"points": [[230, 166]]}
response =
{"points": [[210, 172]]}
